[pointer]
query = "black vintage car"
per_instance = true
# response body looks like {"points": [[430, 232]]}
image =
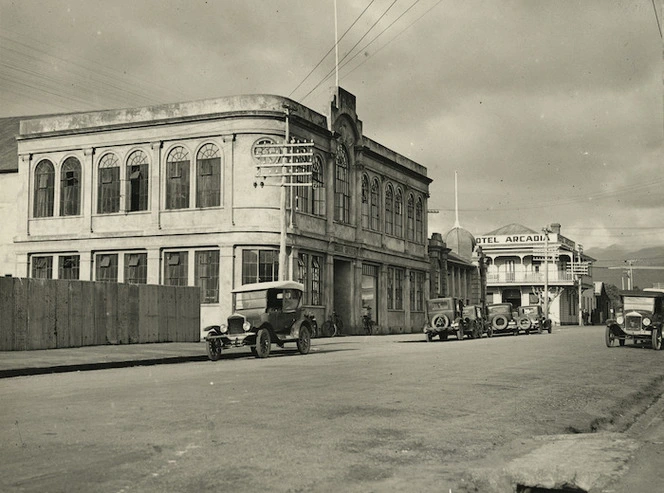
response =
{"points": [[441, 314], [641, 319], [472, 323], [501, 318], [531, 317], [265, 313]]}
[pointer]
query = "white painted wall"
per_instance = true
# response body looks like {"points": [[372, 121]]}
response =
{"points": [[8, 221]]}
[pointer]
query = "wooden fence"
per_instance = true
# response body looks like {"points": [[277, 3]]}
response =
{"points": [[48, 314]]}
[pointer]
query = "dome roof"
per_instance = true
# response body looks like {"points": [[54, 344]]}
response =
{"points": [[461, 242]]}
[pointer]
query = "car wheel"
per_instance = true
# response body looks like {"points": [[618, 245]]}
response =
{"points": [[489, 332], [539, 328], [622, 342], [499, 322], [657, 339], [428, 336], [263, 343], [253, 351], [304, 340], [610, 338], [548, 325], [214, 349], [477, 331], [460, 333]]}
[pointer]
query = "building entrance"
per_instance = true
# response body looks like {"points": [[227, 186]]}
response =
{"points": [[342, 290], [370, 291], [512, 296]]}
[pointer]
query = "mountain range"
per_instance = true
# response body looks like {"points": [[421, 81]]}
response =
{"points": [[617, 256]]}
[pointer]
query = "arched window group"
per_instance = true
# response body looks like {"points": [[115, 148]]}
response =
{"points": [[392, 210], [342, 185], [44, 194]]}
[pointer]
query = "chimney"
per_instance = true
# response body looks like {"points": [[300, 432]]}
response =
{"points": [[555, 228]]}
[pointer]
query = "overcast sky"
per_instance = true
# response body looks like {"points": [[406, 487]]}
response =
{"points": [[550, 111]]}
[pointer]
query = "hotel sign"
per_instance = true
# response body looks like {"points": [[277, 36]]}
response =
{"points": [[515, 239]]}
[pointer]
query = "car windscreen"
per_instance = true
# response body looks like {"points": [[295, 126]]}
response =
{"points": [[250, 300], [638, 303], [494, 310], [440, 305]]}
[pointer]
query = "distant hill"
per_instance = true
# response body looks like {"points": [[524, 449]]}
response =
{"points": [[616, 256]]}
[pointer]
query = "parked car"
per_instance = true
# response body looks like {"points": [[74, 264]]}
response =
{"points": [[441, 314], [641, 319], [472, 323], [502, 318], [531, 317], [264, 314]]}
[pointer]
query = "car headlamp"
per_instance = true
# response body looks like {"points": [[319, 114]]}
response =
{"points": [[620, 319], [647, 321], [223, 328], [246, 326]]}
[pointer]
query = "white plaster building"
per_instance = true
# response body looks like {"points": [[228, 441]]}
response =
{"points": [[166, 195]]}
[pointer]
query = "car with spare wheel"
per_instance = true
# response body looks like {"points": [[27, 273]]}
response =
{"points": [[531, 318], [442, 313], [472, 323], [502, 318], [641, 319], [264, 314]]}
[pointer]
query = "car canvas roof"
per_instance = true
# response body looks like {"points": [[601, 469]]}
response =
{"points": [[260, 286], [643, 294]]}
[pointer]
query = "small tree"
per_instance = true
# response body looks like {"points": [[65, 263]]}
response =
{"points": [[554, 292]]}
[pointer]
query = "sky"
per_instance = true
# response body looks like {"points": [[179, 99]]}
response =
{"points": [[550, 111]]}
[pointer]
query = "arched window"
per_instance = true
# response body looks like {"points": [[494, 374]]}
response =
{"points": [[398, 214], [410, 218], [70, 187], [44, 189], [177, 179], [108, 191], [318, 183], [389, 210], [365, 202], [375, 200], [419, 223], [342, 185], [137, 181], [208, 176]]}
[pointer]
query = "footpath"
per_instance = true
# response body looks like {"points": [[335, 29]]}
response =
{"points": [[629, 462]]}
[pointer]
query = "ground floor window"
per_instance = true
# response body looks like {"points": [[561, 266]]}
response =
{"points": [[395, 278], [260, 266], [136, 268], [369, 290], [416, 291], [42, 267], [176, 268], [69, 266], [106, 267], [309, 275], [207, 275]]}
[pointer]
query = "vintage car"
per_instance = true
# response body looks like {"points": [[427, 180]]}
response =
{"points": [[264, 314], [531, 317], [501, 318], [641, 319], [472, 323], [441, 314]]}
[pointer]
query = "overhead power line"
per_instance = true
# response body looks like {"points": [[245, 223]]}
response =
{"points": [[659, 26], [331, 49]]}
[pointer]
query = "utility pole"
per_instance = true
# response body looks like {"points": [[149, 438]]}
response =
{"points": [[579, 278], [284, 161], [546, 230]]}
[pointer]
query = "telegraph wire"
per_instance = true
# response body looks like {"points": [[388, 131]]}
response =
{"points": [[331, 49], [393, 38], [659, 26], [350, 51]]}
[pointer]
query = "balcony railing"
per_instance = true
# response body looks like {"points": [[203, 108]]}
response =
{"points": [[527, 277]]}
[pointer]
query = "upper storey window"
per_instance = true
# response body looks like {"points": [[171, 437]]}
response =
{"points": [[137, 181], [208, 176], [108, 193], [398, 214], [410, 211], [389, 210], [365, 202], [177, 179], [419, 222], [342, 185], [44, 189], [375, 200], [318, 183], [70, 187]]}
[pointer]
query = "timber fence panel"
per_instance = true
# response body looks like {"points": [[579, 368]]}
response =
{"points": [[62, 314], [6, 313], [88, 317], [77, 323]]}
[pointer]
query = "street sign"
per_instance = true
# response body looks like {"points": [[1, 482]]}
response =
{"points": [[284, 165]]}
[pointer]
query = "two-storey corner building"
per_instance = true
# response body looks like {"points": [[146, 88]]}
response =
{"points": [[517, 270], [167, 195]]}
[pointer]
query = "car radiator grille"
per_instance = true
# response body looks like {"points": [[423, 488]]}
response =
{"points": [[235, 326], [633, 323]]}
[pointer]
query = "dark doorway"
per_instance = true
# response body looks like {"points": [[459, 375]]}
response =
{"points": [[342, 290], [512, 296]]}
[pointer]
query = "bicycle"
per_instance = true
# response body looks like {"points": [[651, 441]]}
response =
{"points": [[333, 326], [368, 324]]}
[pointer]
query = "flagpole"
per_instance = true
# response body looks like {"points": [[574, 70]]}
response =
{"points": [[336, 47]]}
